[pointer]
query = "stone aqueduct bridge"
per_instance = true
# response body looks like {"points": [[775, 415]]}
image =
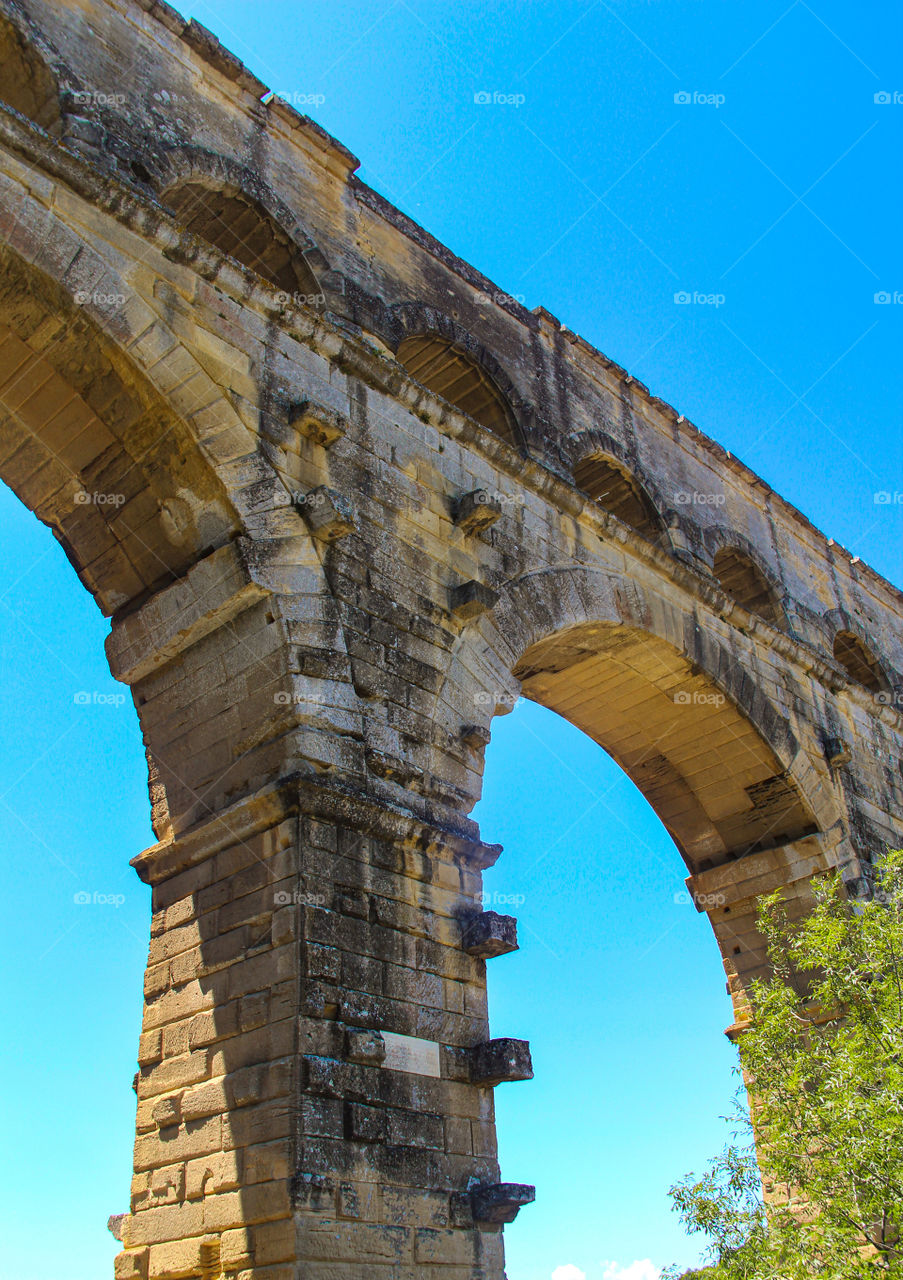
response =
{"points": [[343, 502]]}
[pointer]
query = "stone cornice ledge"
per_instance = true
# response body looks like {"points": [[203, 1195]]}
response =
{"points": [[761, 872], [213, 592], [321, 798]]}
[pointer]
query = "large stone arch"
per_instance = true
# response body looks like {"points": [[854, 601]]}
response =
{"points": [[117, 438], [693, 716], [540, 608], [315, 676]]}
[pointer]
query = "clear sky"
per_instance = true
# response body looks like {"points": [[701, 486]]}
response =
{"points": [[583, 185]]}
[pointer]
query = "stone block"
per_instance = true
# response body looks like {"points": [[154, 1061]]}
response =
{"points": [[317, 422], [475, 736], [489, 934], [503, 1060], [476, 511], [837, 752], [329, 515], [500, 1202], [364, 1046], [468, 600], [366, 1124], [168, 1111], [131, 1264]]}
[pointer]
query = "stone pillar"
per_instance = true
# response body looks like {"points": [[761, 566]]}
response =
{"points": [[316, 1071], [730, 895]]}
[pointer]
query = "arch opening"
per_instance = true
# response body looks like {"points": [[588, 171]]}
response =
{"points": [[239, 226], [613, 489], [26, 82], [858, 661], [617, 986], [716, 784], [743, 580], [452, 373]]}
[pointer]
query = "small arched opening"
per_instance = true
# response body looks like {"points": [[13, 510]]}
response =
{"points": [[742, 579], [858, 662], [451, 372], [26, 82], [239, 226], [616, 491]]}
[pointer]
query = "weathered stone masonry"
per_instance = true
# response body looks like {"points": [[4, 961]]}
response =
{"points": [[343, 501]]}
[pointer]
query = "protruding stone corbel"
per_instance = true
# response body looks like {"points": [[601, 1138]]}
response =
{"points": [[489, 934], [476, 511], [499, 1202], [365, 1047], [328, 514], [115, 1225], [500, 1062], [167, 1113], [318, 422], [837, 752], [475, 736], [470, 599]]}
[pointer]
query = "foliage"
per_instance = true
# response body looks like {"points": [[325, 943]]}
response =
{"points": [[823, 1062]]}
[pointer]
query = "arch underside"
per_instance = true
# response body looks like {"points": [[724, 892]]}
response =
{"points": [[715, 783], [89, 446], [28, 85]]}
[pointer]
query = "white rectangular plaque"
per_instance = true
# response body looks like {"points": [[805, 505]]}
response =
{"points": [[407, 1053]]}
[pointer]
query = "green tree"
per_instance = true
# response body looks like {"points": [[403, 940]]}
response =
{"points": [[823, 1059]]}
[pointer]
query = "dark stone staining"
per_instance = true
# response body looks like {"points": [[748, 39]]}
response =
{"points": [[837, 752]]}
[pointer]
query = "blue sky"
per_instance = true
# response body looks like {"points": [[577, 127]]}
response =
{"points": [[585, 186]]}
